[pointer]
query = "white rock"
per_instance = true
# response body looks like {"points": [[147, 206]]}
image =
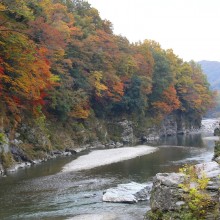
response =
{"points": [[210, 169], [128, 193], [212, 138], [37, 161], [170, 179], [18, 166]]}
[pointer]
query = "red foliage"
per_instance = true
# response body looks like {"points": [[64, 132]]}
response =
{"points": [[46, 34], [169, 101], [1, 66]]}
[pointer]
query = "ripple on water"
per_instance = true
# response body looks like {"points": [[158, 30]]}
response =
{"points": [[42, 192]]}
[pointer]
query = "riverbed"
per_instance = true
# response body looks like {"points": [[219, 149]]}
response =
{"points": [[44, 192]]}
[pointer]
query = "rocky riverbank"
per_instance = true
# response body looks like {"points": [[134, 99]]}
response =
{"points": [[77, 193], [193, 194], [169, 198], [33, 144]]}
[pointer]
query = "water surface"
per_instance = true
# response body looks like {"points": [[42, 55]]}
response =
{"points": [[43, 192]]}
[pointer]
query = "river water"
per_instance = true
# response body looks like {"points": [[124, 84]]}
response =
{"points": [[43, 192]]}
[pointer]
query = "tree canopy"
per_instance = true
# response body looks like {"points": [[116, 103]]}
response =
{"points": [[60, 58]]}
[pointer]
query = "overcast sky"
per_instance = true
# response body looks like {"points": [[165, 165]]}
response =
{"points": [[190, 27]]}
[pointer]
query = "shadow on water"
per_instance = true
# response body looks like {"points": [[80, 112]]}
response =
{"points": [[42, 192], [188, 140]]}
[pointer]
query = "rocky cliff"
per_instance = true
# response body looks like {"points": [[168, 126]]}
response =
{"points": [[178, 196], [33, 142], [193, 194]]}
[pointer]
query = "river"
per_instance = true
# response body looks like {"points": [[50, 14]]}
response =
{"points": [[44, 192]]}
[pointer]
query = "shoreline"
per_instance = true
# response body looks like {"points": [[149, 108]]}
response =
{"points": [[99, 158]]}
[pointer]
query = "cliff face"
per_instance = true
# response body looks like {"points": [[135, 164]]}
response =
{"points": [[33, 142], [170, 200], [193, 193]]}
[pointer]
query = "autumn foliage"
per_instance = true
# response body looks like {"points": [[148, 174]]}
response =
{"points": [[169, 101], [62, 58]]}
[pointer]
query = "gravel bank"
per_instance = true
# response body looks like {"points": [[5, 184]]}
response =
{"points": [[104, 157]]}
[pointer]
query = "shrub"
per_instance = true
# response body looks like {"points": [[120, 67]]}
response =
{"points": [[6, 159], [2, 138], [197, 199]]}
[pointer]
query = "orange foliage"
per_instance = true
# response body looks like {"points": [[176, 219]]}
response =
{"points": [[119, 88], [39, 37], [27, 78], [169, 102], [37, 79], [46, 34], [115, 91], [80, 111], [145, 63]]}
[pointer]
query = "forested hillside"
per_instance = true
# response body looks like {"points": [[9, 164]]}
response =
{"points": [[61, 63], [212, 70]]}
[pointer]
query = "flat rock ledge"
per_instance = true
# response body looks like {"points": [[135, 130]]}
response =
{"points": [[167, 196], [128, 193]]}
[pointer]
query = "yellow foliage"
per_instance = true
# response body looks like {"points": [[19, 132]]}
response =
{"points": [[79, 112], [196, 197], [99, 87], [2, 7]]}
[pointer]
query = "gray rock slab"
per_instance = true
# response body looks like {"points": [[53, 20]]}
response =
{"points": [[169, 179], [210, 169], [167, 195], [128, 193]]}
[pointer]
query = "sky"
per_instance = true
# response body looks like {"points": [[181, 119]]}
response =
{"points": [[190, 27]]}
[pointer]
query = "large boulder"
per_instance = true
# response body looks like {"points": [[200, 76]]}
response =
{"points": [[210, 169], [128, 193], [168, 197], [166, 193], [217, 132]]}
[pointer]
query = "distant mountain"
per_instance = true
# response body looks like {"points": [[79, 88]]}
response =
{"points": [[212, 70]]}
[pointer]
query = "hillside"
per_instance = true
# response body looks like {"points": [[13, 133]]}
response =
{"points": [[66, 80], [212, 70]]}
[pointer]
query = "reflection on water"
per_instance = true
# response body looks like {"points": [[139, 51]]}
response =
{"points": [[189, 140], [42, 192]]}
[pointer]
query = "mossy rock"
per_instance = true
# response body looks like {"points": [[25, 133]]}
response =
{"points": [[6, 159], [217, 132], [115, 131], [217, 149], [2, 138]]}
